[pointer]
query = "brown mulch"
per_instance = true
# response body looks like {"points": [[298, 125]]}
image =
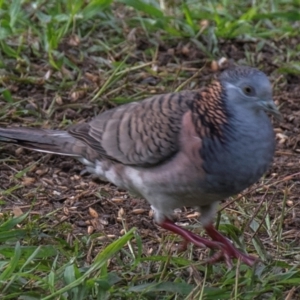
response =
{"points": [[53, 183]]}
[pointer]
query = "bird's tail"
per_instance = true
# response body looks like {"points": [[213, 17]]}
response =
{"points": [[43, 140]]}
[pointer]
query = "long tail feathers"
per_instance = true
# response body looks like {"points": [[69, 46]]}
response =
{"points": [[43, 140]]}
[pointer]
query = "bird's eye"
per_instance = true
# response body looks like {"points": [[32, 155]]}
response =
{"points": [[248, 90]]}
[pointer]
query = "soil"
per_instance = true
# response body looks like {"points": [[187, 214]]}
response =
{"points": [[53, 186]]}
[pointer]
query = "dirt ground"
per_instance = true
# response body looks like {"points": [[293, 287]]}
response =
{"points": [[53, 183]]}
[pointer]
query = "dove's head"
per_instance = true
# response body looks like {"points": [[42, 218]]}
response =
{"points": [[249, 87]]}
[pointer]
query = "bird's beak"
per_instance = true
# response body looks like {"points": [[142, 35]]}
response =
{"points": [[270, 107]]}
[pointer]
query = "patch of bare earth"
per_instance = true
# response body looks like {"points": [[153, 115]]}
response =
{"points": [[54, 184]]}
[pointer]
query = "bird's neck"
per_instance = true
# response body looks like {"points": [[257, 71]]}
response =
{"points": [[210, 113], [245, 154]]}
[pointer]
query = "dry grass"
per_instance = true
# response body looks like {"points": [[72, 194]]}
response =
{"points": [[63, 62]]}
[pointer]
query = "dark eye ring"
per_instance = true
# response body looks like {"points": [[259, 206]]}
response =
{"points": [[248, 90]]}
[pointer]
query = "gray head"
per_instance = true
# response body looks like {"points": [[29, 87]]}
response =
{"points": [[249, 87]]}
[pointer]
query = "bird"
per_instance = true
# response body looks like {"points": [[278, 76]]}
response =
{"points": [[191, 148]]}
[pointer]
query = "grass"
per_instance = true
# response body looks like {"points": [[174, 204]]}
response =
{"points": [[62, 61]]}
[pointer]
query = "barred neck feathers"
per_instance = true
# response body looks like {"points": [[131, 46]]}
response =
{"points": [[210, 114]]}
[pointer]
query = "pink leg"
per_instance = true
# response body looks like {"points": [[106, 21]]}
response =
{"points": [[227, 250], [189, 236]]}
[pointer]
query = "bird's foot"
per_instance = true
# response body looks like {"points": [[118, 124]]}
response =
{"points": [[226, 250]]}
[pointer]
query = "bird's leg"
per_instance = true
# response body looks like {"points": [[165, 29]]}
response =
{"points": [[228, 249], [189, 236]]}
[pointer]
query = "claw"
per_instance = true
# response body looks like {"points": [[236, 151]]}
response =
{"points": [[229, 249], [226, 250]]}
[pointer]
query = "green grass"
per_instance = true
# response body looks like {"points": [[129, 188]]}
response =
{"points": [[44, 264], [74, 57]]}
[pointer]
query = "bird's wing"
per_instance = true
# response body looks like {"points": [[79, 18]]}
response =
{"points": [[140, 133]]}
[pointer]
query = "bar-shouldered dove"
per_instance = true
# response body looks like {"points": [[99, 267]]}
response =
{"points": [[191, 148]]}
